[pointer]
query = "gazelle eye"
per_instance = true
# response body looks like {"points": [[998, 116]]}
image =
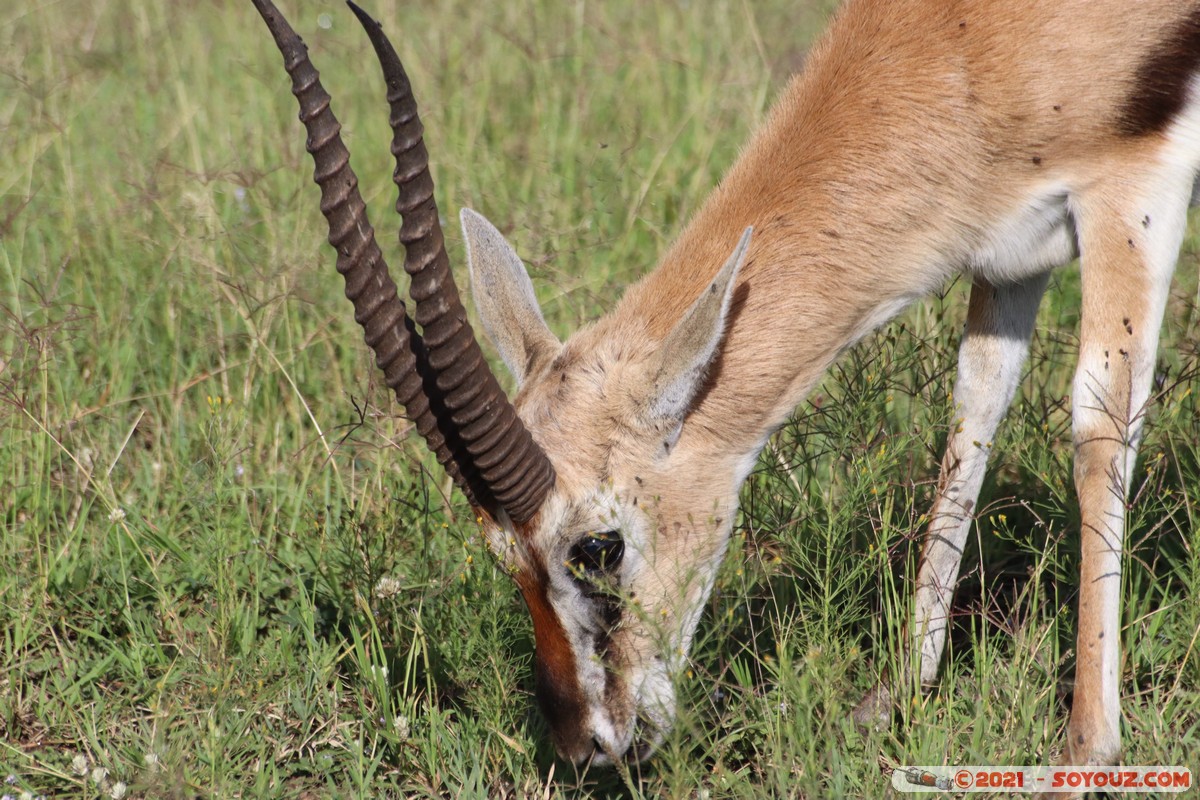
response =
{"points": [[596, 553]]}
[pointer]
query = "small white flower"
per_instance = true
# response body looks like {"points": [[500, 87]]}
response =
{"points": [[400, 723], [239, 193], [99, 775], [118, 790], [116, 515], [387, 587], [26, 795], [151, 759], [239, 471], [324, 22], [79, 764]]}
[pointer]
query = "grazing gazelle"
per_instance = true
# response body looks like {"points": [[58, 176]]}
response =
{"points": [[923, 140]]}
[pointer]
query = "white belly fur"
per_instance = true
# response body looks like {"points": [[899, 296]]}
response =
{"points": [[1038, 237]]}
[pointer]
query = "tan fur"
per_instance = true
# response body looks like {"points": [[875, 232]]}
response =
{"points": [[917, 132]]}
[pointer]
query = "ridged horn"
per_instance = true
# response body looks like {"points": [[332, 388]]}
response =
{"points": [[410, 367], [510, 463], [388, 330]]}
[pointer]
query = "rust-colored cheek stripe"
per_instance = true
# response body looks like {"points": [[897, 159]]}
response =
{"points": [[556, 681], [553, 647]]}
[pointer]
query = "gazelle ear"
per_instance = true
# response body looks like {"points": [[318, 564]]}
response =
{"points": [[690, 347], [505, 300]]}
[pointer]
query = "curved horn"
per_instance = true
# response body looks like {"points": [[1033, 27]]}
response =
{"points": [[443, 382], [398, 348], [513, 467]]}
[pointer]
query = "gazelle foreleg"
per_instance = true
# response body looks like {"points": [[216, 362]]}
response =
{"points": [[991, 358], [1129, 232]]}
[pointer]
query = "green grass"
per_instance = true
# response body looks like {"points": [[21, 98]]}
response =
{"points": [[203, 481]]}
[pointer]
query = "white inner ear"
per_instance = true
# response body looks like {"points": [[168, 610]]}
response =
{"points": [[690, 347], [505, 299]]}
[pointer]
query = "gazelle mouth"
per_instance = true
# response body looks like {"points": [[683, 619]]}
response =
{"points": [[639, 751], [602, 755]]}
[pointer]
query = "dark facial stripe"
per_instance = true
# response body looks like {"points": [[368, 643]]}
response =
{"points": [[1160, 88], [555, 677]]}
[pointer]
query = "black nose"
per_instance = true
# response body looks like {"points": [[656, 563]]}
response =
{"points": [[566, 714]]}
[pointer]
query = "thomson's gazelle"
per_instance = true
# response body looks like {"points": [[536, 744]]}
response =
{"points": [[924, 139]]}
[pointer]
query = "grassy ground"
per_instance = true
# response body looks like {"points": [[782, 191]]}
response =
{"points": [[203, 485]]}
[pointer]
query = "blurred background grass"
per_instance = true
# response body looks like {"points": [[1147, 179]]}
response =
{"points": [[225, 568]]}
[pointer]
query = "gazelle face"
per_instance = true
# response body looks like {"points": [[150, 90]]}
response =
{"points": [[613, 574], [616, 566], [613, 570]]}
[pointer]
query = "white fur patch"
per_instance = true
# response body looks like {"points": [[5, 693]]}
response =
{"points": [[1032, 239]]}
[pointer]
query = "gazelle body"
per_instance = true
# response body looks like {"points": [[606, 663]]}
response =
{"points": [[924, 139]]}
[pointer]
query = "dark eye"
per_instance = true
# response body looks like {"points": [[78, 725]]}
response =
{"points": [[596, 553]]}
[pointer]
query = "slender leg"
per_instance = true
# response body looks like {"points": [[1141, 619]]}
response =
{"points": [[1129, 234], [990, 362]]}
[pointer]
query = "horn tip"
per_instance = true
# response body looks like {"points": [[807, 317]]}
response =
{"points": [[363, 16]]}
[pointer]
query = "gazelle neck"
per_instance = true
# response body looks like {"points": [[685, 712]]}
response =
{"points": [[820, 274]]}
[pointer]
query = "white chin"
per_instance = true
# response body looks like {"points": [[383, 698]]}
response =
{"points": [[655, 703], [639, 742], [639, 749]]}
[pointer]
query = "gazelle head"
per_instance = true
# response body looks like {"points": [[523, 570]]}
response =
{"points": [[596, 495], [617, 563]]}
